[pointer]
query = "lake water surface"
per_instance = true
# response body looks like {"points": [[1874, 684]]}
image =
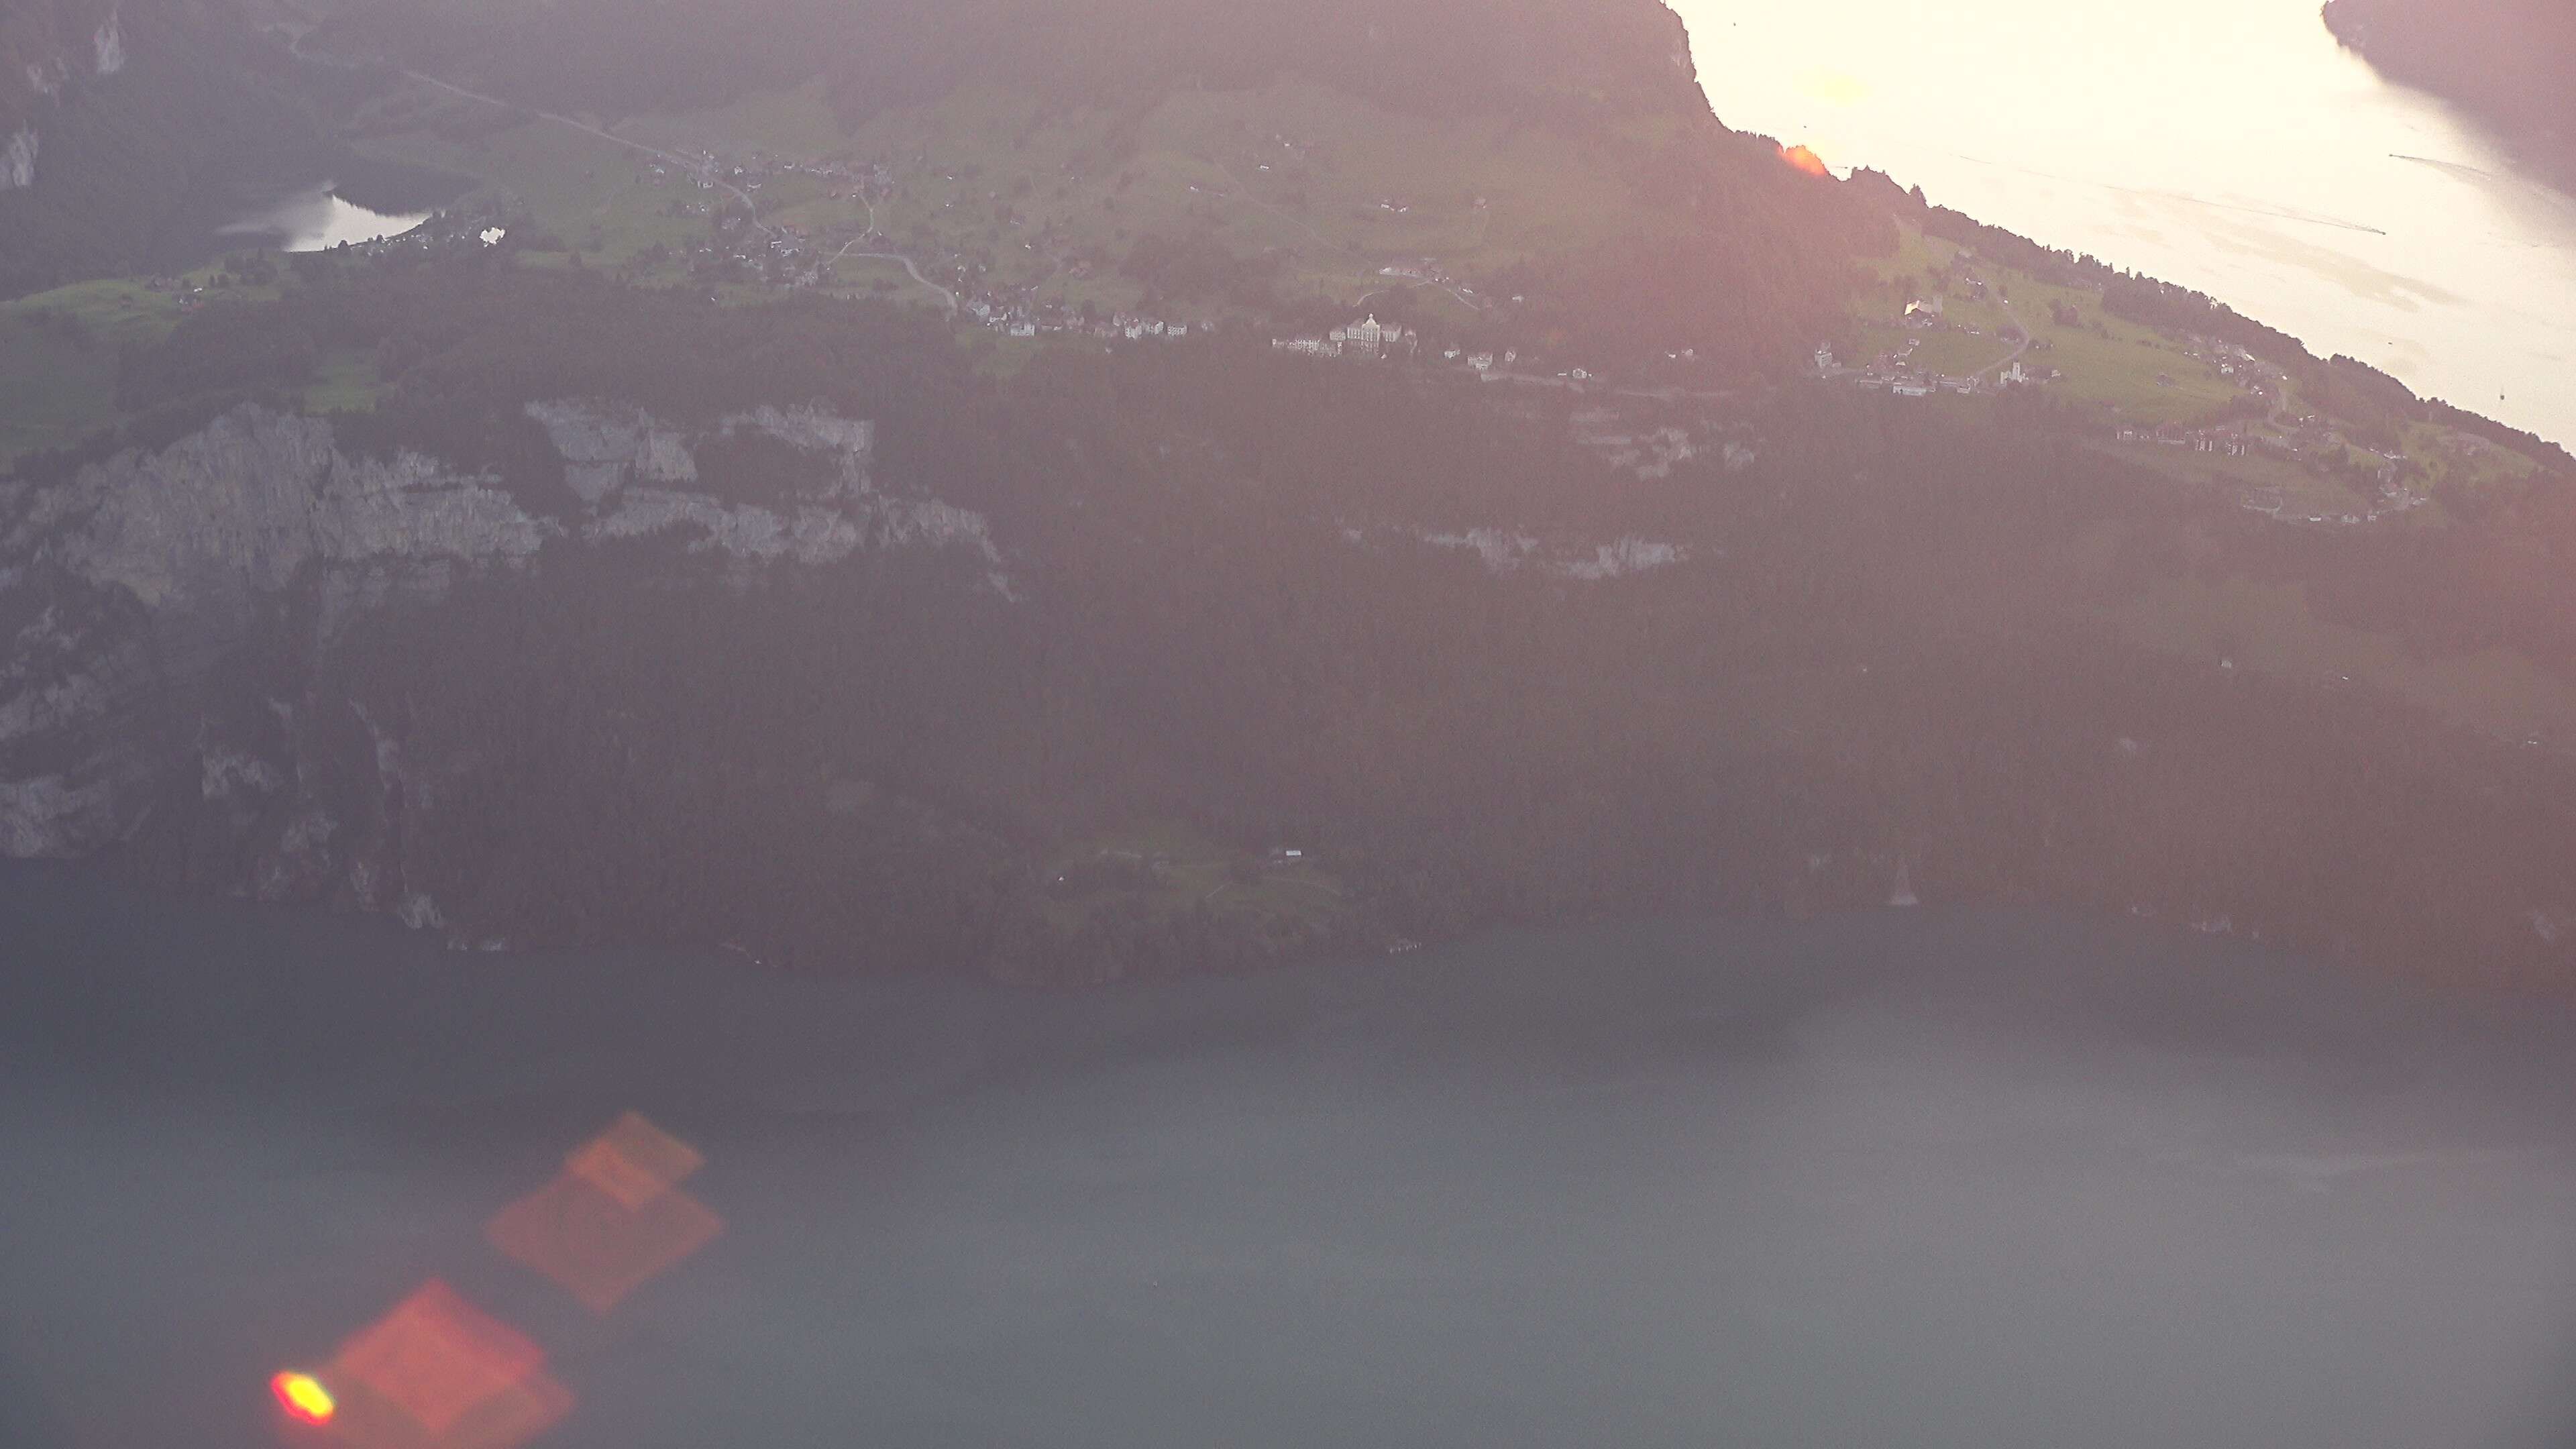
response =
{"points": [[301, 199], [1908, 1178], [317, 218], [2229, 145]]}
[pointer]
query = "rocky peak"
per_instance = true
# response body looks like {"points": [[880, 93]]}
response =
{"points": [[127, 590], [46, 45]]}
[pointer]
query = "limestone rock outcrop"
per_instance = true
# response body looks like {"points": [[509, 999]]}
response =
{"points": [[164, 616]]}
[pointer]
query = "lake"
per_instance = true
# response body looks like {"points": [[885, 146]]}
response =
{"points": [[2229, 145], [317, 218], [1908, 1177], [301, 199]]}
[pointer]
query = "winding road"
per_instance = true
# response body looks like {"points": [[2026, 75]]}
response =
{"points": [[683, 162], [945, 295], [2015, 355]]}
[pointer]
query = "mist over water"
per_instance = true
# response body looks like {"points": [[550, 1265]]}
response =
{"points": [[1907, 1178], [301, 199], [317, 218], [2229, 145]]}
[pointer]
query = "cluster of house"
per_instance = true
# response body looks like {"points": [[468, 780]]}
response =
{"points": [[2394, 498], [781, 255], [1022, 316], [1371, 340], [1484, 361], [2308, 438], [191, 298], [1888, 374], [2233, 363], [2396, 495], [1426, 271], [2226, 439], [706, 170], [792, 255], [785, 254], [1367, 338]]}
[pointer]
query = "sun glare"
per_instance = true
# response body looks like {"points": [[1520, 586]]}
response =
{"points": [[302, 1397], [1803, 159]]}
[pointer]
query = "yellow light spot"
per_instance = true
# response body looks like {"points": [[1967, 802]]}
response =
{"points": [[303, 1397]]}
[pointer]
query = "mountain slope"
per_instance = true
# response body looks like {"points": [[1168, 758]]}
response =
{"points": [[612, 624], [639, 576], [44, 46], [1436, 154], [1562, 61], [119, 121]]}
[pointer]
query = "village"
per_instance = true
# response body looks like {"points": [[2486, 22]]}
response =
{"points": [[1039, 249], [794, 256], [2189, 405], [743, 248], [1026, 242], [1932, 349]]}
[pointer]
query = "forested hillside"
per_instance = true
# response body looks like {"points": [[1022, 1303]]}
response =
{"points": [[44, 44], [1043, 151], [1561, 63], [125, 119], [1022, 489], [1418, 629]]}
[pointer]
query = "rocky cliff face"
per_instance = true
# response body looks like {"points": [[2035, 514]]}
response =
{"points": [[638, 477], [124, 124], [45, 47], [166, 616]]}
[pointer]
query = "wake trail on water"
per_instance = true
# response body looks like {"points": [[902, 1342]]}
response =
{"points": [[2276, 213]]}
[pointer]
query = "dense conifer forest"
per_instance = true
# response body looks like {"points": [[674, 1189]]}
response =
{"points": [[1885, 641]]}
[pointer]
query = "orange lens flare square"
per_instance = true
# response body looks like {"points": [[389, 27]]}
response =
{"points": [[438, 1373], [634, 1161], [613, 1219]]}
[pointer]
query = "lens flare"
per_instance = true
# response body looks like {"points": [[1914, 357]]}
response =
{"points": [[614, 1218], [1803, 159], [303, 1398]]}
